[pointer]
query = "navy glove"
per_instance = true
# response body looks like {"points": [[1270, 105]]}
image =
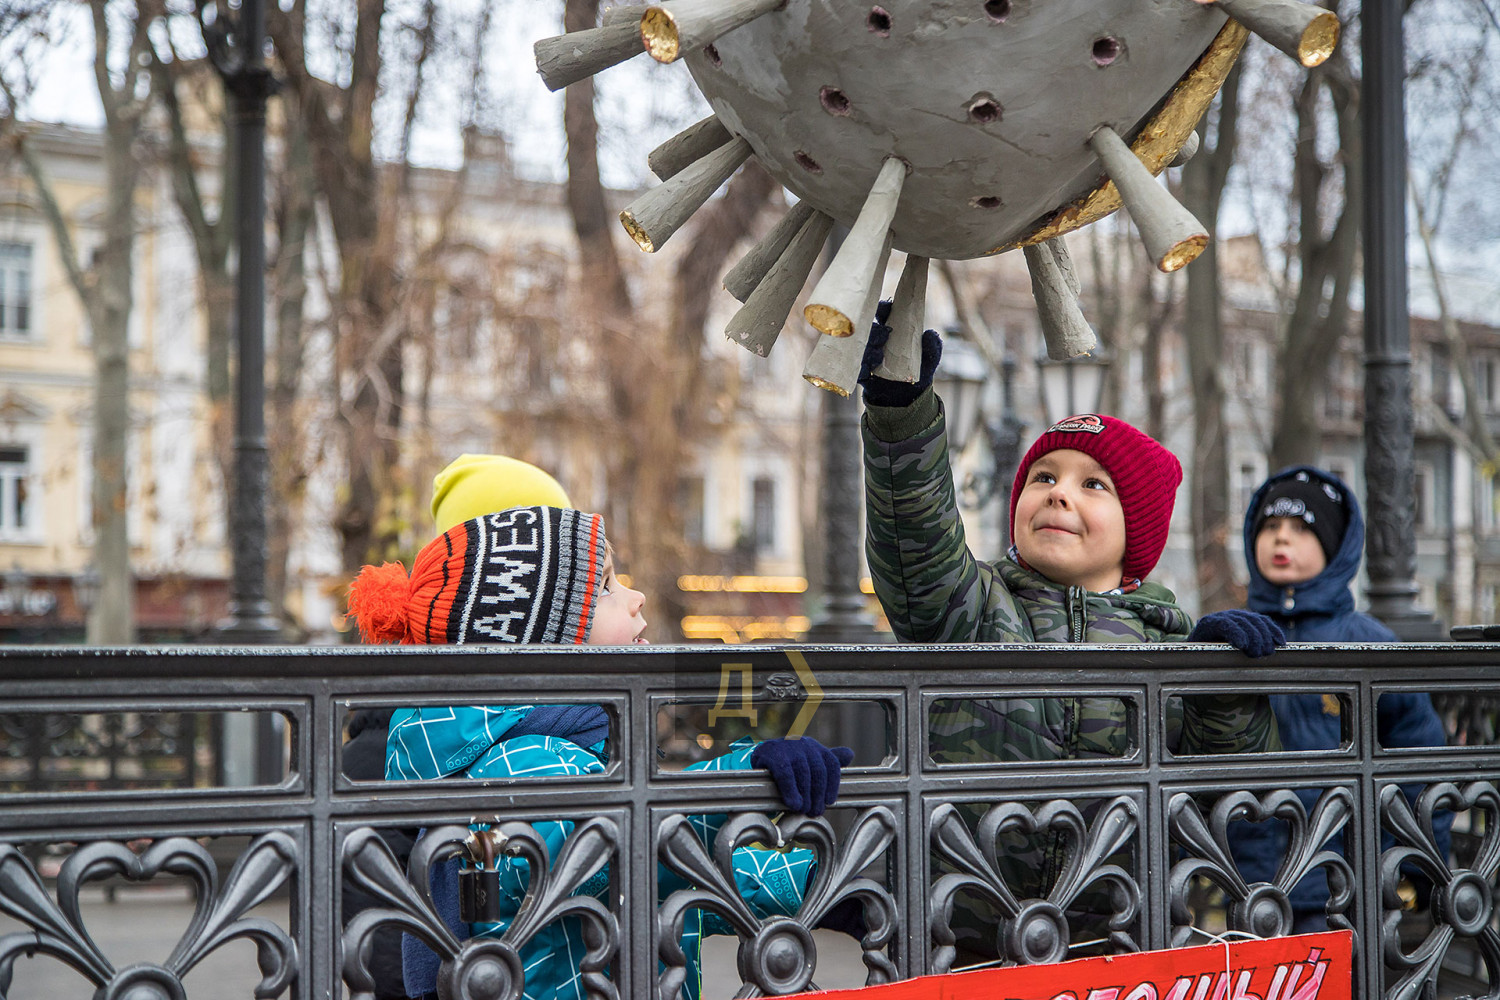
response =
{"points": [[1251, 632], [805, 771], [888, 392]]}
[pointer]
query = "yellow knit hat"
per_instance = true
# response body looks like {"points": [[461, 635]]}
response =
{"points": [[472, 485]]}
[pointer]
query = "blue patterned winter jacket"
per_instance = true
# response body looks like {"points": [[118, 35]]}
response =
{"points": [[474, 741]]}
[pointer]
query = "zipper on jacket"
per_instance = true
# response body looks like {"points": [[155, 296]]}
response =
{"points": [[1077, 605]]}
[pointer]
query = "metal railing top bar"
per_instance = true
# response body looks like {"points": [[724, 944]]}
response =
{"points": [[977, 662]]}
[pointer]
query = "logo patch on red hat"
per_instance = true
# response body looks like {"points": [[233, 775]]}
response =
{"points": [[1083, 423]]}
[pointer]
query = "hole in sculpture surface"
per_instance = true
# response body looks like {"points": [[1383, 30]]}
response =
{"points": [[984, 109], [998, 10], [713, 54], [879, 21], [985, 201], [807, 163], [834, 101], [1107, 50]]}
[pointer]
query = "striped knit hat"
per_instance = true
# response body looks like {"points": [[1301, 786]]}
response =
{"points": [[1146, 476], [527, 574]]}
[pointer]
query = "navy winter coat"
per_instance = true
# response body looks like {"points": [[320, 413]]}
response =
{"points": [[1322, 610]]}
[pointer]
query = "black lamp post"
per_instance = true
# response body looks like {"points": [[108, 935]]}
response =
{"points": [[1390, 477], [236, 45]]}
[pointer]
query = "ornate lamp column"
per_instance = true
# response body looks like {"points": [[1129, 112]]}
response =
{"points": [[236, 44], [843, 616], [1390, 478]]}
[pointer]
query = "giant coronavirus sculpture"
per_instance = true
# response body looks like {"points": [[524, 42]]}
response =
{"points": [[941, 128]]}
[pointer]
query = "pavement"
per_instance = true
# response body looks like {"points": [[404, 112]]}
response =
{"points": [[144, 924]]}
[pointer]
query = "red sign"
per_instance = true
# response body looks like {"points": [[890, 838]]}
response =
{"points": [[1306, 967]]}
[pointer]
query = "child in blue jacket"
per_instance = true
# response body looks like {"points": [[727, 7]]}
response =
{"points": [[546, 575], [1304, 537]]}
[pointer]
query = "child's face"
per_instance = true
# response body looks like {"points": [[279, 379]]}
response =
{"points": [[1287, 552], [617, 611], [1070, 526]]}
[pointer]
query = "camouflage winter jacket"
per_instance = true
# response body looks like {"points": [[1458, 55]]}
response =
{"points": [[934, 590]]}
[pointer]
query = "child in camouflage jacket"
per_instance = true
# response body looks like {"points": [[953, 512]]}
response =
{"points": [[1090, 509]]}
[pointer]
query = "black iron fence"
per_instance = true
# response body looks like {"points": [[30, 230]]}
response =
{"points": [[918, 860]]}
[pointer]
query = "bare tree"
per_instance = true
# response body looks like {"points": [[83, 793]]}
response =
{"points": [[103, 284], [367, 208], [184, 85], [1326, 187], [1203, 181]]}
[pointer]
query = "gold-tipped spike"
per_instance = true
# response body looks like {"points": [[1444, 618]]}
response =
{"points": [[569, 58], [841, 292], [835, 361], [1172, 236], [653, 217], [1066, 332], [688, 146], [759, 322], [1306, 32], [743, 278], [903, 351], [673, 27]]}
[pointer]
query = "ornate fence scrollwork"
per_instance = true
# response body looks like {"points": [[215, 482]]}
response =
{"points": [[1262, 908], [1463, 900], [484, 968], [1034, 930], [58, 929], [777, 955]]}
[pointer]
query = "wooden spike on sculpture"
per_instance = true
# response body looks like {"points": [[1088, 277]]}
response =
{"points": [[688, 146], [840, 296], [835, 361], [1172, 236], [903, 351], [673, 27], [743, 278], [577, 55], [1306, 32], [1187, 150], [653, 217], [1064, 262], [624, 14], [1066, 332], [759, 322]]}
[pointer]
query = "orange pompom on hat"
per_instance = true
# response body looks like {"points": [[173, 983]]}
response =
{"points": [[527, 574]]}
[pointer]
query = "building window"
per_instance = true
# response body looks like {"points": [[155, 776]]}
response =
{"points": [[17, 517], [763, 513], [1426, 513], [15, 291], [1484, 384], [1249, 478]]}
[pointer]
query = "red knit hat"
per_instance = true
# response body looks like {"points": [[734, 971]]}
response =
{"points": [[1146, 476]]}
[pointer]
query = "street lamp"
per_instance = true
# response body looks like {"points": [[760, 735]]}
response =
{"points": [[1071, 387], [960, 381]]}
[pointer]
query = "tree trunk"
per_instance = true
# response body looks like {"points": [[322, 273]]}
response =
{"points": [[1320, 310], [112, 621], [1202, 188], [286, 434]]}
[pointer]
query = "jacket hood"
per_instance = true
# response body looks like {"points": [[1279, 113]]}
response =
{"points": [[1327, 593], [434, 742]]}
